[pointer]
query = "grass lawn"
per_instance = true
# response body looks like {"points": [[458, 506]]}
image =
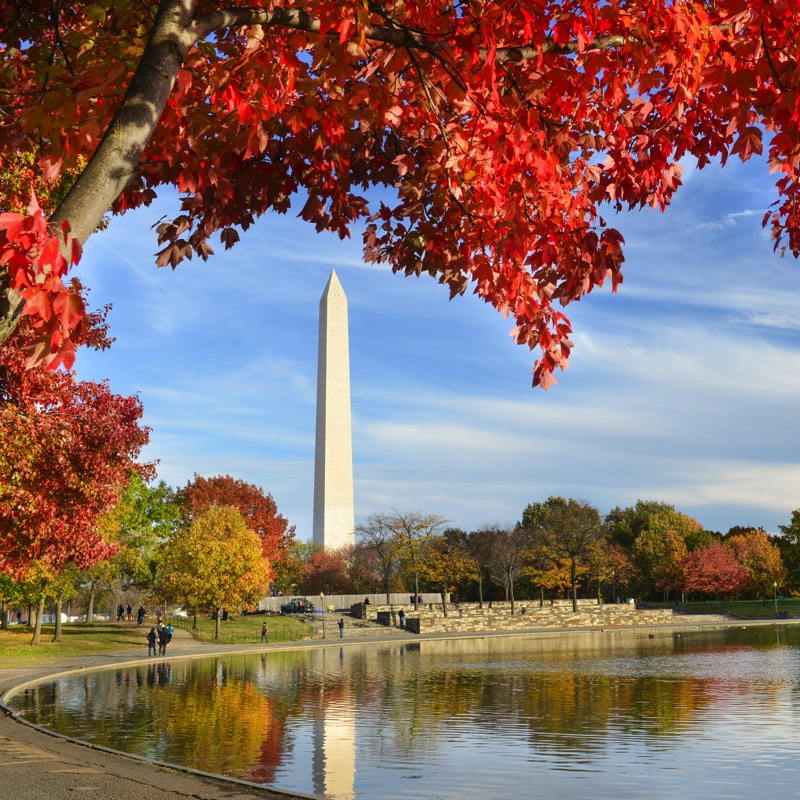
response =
{"points": [[747, 609], [77, 640], [246, 629]]}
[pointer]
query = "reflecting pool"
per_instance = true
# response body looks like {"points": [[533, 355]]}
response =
{"points": [[713, 715]]}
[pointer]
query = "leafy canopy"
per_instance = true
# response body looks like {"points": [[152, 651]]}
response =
{"points": [[503, 132], [68, 450]]}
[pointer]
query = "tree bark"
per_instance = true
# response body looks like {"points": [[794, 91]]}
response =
{"points": [[90, 608], [37, 628], [57, 630]]}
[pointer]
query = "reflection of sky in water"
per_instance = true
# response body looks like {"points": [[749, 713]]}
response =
{"points": [[711, 715]]}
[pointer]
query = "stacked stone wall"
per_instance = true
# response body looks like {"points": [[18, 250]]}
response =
{"points": [[496, 616]]}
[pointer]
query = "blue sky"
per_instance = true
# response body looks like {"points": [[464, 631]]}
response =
{"points": [[684, 386]]}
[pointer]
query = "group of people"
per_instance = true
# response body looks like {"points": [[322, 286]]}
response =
{"points": [[126, 613], [160, 637]]}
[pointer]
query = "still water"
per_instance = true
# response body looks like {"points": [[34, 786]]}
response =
{"points": [[712, 715]]}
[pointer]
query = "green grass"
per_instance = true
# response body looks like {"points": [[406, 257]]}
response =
{"points": [[747, 609], [246, 630], [81, 640], [77, 640]]}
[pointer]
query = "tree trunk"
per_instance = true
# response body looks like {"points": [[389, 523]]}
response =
{"points": [[57, 629], [573, 577], [3, 616], [444, 604], [37, 628], [90, 607], [218, 624], [116, 158]]}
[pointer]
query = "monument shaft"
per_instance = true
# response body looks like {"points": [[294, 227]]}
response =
{"points": [[334, 516]]}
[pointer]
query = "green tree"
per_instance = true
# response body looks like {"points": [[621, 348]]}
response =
{"points": [[569, 528], [789, 544], [217, 561], [144, 517]]}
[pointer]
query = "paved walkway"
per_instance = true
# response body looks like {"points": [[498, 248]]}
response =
{"points": [[36, 765]]}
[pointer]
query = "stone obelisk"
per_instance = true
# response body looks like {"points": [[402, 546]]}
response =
{"points": [[334, 516]]}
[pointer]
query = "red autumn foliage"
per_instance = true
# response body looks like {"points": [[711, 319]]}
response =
{"points": [[259, 510], [713, 570], [68, 449], [500, 134]]}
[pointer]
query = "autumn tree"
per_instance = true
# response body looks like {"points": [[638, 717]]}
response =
{"points": [[761, 560], [659, 553], [215, 561], [286, 573], [660, 541], [508, 550], [68, 450], [362, 567], [324, 571], [501, 132], [569, 528], [446, 563], [411, 532], [258, 508], [713, 570], [376, 533]]}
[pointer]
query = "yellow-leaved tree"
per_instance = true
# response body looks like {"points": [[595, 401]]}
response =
{"points": [[216, 561]]}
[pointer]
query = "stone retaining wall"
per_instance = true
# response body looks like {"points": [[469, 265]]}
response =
{"points": [[471, 618]]}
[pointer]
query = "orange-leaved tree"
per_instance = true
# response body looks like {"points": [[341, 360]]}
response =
{"points": [[502, 131], [258, 509]]}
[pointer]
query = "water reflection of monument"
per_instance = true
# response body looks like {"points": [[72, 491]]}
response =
{"points": [[334, 759]]}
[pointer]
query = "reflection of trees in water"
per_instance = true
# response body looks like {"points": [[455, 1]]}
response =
{"points": [[571, 697], [561, 696]]}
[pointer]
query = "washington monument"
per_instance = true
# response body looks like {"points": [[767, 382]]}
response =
{"points": [[334, 516]]}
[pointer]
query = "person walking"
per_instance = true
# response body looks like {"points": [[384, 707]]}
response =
{"points": [[163, 640], [120, 613], [151, 642], [402, 618], [340, 623], [265, 633], [141, 615]]}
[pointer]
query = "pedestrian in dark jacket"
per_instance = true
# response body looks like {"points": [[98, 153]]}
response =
{"points": [[151, 642], [163, 640]]}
